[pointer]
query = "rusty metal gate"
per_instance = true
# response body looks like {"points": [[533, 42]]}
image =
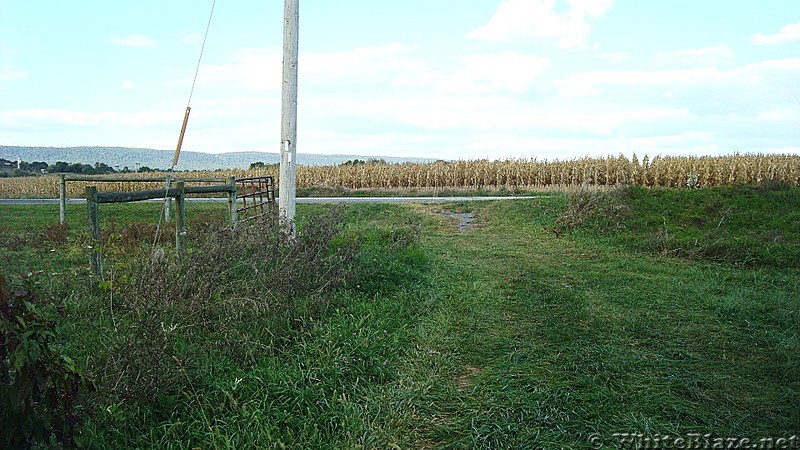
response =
{"points": [[257, 195]]}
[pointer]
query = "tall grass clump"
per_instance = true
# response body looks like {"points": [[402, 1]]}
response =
{"points": [[163, 329], [606, 207], [241, 289]]}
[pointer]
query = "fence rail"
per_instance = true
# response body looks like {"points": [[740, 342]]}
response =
{"points": [[260, 191], [106, 179], [228, 187], [94, 199]]}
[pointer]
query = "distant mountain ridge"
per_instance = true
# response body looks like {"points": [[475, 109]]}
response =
{"points": [[162, 159]]}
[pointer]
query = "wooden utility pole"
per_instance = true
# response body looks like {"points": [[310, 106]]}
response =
{"points": [[288, 171]]}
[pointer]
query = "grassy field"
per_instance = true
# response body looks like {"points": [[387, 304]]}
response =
{"points": [[537, 325]]}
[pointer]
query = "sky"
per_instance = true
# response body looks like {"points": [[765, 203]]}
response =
{"points": [[450, 79]]}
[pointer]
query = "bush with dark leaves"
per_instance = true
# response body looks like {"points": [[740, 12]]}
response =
{"points": [[39, 387]]}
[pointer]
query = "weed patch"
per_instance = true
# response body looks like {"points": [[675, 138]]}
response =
{"points": [[607, 209], [240, 299], [741, 225]]}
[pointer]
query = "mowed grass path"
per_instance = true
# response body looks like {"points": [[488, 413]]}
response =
{"points": [[538, 341], [509, 337]]}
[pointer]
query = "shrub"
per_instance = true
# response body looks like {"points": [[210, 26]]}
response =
{"points": [[38, 387]]}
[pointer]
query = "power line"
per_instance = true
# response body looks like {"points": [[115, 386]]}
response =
{"points": [[202, 49], [183, 128]]}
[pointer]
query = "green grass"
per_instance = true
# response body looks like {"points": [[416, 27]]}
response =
{"points": [[742, 225], [26, 231], [564, 337], [503, 336]]}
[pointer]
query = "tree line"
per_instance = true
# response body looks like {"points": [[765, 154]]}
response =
{"points": [[10, 168]]}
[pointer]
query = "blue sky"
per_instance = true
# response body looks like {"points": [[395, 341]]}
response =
{"points": [[437, 78]]}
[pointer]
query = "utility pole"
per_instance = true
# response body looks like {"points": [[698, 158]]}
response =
{"points": [[288, 172]]}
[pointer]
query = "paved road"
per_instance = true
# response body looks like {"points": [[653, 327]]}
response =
{"points": [[54, 201]]}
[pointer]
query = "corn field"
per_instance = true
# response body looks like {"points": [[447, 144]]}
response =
{"points": [[671, 171]]}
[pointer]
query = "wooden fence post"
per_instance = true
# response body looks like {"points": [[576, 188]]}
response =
{"points": [[168, 206], [94, 230], [232, 201], [180, 218], [62, 199]]}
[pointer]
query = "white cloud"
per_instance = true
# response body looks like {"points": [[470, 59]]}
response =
{"points": [[134, 40], [695, 57], [789, 33], [781, 114], [391, 63], [423, 110], [6, 51], [193, 38], [8, 73], [253, 69], [392, 66], [738, 89], [485, 113], [654, 111], [613, 57], [695, 143], [259, 69], [540, 18], [596, 83], [36, 118], [507, 71], [390, 143], [396, 66], [127, 85]]}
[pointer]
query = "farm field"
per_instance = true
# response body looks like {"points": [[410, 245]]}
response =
{"points": [[540, 323], [480, 176]]}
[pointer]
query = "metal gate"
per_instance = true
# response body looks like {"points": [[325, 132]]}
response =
{"points": [[257, 196]]}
